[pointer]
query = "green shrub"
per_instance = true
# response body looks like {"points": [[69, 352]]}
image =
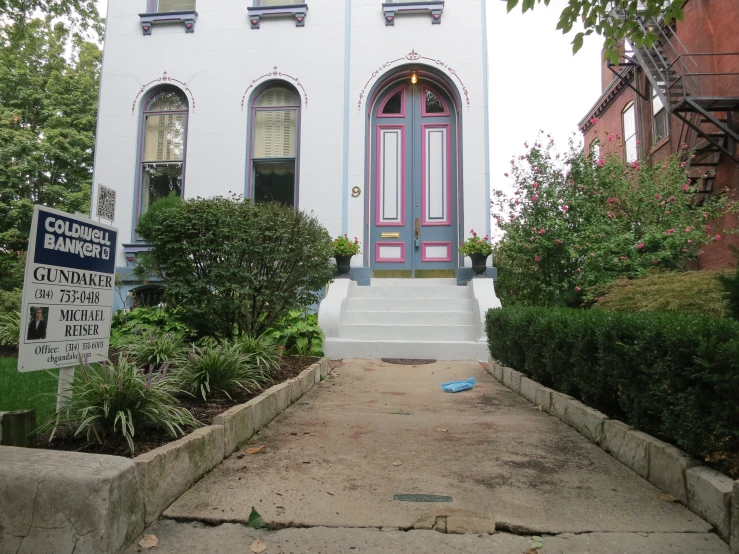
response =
{"points": [[119, 399], [10, 301], [693, 292], [150, 348], [261, 352], [217, 368], [299, 333], [233, 266], [675, 376]]}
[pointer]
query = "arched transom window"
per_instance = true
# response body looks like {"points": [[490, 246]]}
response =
{"points": [[274, 145], [162, 163]]}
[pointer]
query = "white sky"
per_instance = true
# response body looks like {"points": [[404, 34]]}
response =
{"points": [[535, 81]]}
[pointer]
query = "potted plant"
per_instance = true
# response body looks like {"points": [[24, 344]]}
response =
{"points": [[344, 249], [478, 249]]}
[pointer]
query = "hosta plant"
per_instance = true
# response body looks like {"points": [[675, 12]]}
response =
{"points": [[117, 400], [217, 368]]}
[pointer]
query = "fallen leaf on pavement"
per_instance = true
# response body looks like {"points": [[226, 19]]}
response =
{"points": [[258, 546], [149, 541], [397, 464], [442, 430], [255, 520], [254, 450], [667, 498]]}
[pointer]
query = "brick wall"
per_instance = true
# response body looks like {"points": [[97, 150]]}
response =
{"points": [[709, 27]]}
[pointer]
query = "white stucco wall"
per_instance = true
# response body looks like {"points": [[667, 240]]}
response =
{"points": [[224, 55]]}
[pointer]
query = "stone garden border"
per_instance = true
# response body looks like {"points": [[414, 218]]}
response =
{"points": [[708, 493], [64, 502]]}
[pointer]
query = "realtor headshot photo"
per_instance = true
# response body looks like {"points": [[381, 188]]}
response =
{"points": [[37, 324]]}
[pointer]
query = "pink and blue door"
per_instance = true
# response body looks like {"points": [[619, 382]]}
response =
{"points": [[413, 171]]}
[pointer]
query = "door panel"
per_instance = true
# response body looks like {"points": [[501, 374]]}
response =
{"points": [[413, 172]]}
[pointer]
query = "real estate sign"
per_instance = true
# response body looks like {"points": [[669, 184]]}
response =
{"points": [[67, 291]]}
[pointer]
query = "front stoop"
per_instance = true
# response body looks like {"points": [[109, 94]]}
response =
{"points": [[405, 318]]}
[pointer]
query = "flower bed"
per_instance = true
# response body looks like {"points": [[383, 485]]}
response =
{"points": [[670, 375], [203, 411]]}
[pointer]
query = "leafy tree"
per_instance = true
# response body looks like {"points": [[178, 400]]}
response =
{"points": [[48, 107], [232, 266], [574, 222], [614, 20], [80, 14]]}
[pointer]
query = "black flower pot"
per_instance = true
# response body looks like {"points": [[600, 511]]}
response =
{"points": [[343, 264], [479, 263]]}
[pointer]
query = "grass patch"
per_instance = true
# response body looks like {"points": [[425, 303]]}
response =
{"points": [[26, 391], [690, 292]]}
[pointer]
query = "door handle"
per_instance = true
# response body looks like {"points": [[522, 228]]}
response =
{"points": [[418, 232]]}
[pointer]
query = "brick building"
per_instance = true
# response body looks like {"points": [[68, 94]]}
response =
{"points": [[677, 97]]}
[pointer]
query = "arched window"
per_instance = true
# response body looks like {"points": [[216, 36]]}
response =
{"points": [[595, 150], [274, 145], [162, 159], [629, 133]]}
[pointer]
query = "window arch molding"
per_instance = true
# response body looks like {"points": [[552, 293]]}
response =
{"points": [[273, 145], [162, 146]]}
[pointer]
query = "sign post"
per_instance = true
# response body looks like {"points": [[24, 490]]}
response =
{"points": [[67, 295]]}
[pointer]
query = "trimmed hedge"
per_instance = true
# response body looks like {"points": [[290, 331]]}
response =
{"points": [[674, 376]]}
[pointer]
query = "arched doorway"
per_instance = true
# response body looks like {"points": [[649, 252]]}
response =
{"points": [[413, 177]]}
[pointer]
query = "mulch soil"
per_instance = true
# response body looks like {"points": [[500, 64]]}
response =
{"points": [[149, 439]]}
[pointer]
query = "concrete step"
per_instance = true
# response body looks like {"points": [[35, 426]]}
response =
{"points": [[409, 304], [436, 350], [411, 292], [413, 282], [410, 318], [397, 332]]}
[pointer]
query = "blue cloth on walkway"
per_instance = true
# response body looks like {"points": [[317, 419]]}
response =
{"points": [[457, 386]]}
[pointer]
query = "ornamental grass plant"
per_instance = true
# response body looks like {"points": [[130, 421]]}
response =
{"points": [[218, 368], [118, 399], [10, 329], [261, 352], [151, 348]]}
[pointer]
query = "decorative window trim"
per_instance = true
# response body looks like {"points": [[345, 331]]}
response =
{"points": [[393, 92], [130, 251], [253, 109], [299, 11], [188, 18], [424, 113], [140, 161], [434, 7]]}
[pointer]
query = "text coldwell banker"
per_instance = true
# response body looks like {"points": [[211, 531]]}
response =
{"points": [[76, 238]]}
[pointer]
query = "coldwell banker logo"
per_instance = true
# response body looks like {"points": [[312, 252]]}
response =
{"points": [[76, 238]]}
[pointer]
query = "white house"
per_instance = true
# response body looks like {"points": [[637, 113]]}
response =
{"points": [[372, 115]]}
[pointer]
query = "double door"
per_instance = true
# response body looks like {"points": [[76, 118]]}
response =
{"points": [[413, 173]]}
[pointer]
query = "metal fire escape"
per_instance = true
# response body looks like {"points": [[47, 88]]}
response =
{"points": [[702, 90]]}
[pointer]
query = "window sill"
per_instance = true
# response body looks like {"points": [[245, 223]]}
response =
{"points": [[130, 251], [434, 7], [662, 142], [188, 18], [299, 11]]}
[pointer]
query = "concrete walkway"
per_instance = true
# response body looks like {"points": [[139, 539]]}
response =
{"points": [[375, 430]]}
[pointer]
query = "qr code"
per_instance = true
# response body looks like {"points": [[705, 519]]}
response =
{"points": [[106, 203]]}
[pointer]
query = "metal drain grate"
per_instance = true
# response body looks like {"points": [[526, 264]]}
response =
{"points": [[406, 361]]}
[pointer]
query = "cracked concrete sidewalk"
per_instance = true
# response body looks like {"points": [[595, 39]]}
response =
{"points": [[373, 430]]}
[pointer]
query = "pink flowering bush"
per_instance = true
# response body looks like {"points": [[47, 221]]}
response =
{"points": [[603, 219]]}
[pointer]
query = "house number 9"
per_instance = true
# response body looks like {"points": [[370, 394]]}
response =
{"points": [[356, 191]]}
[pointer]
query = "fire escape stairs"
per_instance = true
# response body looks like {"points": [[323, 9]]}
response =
{"points": [[685, 85]]}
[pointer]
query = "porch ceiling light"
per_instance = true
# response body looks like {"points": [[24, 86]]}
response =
{"points": [[414, 78]]}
